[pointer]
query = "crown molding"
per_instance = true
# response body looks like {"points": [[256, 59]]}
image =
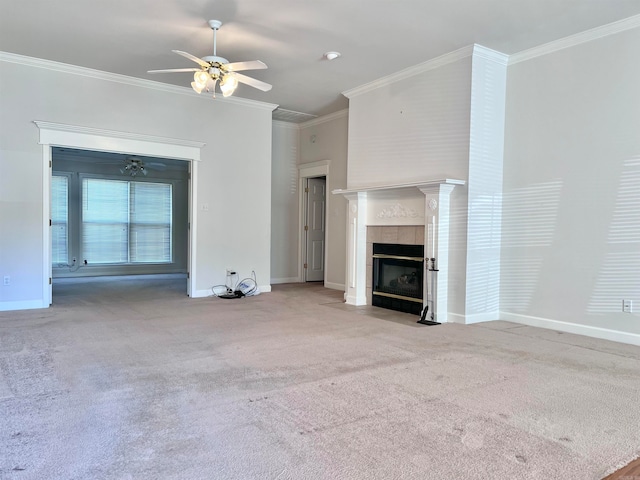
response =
{"points": [[491, 55], [432, 64], [283, 124], [124, 79], [61, 127], [577, 39], [325, 118]]}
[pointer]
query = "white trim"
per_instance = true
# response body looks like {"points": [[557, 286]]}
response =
{"points": [[492, 55], [577, 39], [61, 135], [124, 79], [24, 305], [456, 318], [47, 249], [324, 118], [193, 227], [202, 293], [314, 169], [289, 125], [305, 171], [432, 64], [472, 319], [278, 281], [335, 286], [587, 330], [209, 293], [53, 130], [418, 185], [481, 317]]}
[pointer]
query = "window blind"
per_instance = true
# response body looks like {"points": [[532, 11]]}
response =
{"points": [[126, 222]]}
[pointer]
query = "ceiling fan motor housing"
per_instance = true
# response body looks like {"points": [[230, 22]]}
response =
{"points": [[215, 59]]}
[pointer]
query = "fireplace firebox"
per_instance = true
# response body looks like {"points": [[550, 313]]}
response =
{"points": [[398, 272]]}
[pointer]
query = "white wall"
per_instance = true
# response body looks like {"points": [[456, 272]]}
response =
{"points": [[321, 140], [484, 218], [325, 138], [417, 128], [284, 203], [233, 232], [414, 129], [571, 220]]}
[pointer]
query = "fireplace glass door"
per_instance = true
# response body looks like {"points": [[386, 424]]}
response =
{"points": [[398, 277]]}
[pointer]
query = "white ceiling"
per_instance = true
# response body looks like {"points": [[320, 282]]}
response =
{"points": [[375, 37]]}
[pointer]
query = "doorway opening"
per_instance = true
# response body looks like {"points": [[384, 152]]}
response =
{"points": [[116, 216], [314, 228], [79, 137], [307, 171]]}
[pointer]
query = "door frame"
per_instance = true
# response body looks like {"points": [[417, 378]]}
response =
{"points": [[305, 171], [307, 219], [86, 138]]}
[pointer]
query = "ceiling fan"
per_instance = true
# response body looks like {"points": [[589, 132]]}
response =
{"points": [[132, 166], [214, 69]]}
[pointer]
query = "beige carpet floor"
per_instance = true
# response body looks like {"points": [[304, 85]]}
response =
{"points": [[134, 380]]}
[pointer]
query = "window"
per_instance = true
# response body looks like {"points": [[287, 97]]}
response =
{"points": [[126, 222], [59, 219]]}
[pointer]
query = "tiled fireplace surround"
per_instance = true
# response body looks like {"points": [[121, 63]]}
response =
{"points": [[404, 235], [412, 214]]}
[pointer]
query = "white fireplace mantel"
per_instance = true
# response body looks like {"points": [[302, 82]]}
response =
{"points": [[435, 220], [399, 187]]}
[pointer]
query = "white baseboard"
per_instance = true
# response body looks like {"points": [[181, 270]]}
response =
{"points": [[276, 281], [202, 293], [209, 293], [454, 318], [24, 305], [334, 286], [355, 300], [481, 317], [587, 330]]}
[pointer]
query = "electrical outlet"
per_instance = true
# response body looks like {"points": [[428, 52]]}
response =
{"points": [[627, 306], [7, 280]]}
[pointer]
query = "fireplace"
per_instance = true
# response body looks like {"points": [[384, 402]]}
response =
{"points": [[398, 273]]}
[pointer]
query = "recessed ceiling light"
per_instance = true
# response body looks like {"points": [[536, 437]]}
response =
{"points": [[332, 55]]}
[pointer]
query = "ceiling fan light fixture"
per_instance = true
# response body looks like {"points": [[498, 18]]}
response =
{"points": [[214, 68], [133, 166], [200, 78], [228, 85], [196, 87]]}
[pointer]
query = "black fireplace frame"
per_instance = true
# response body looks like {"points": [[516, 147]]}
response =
{"points": [[408, 298]]}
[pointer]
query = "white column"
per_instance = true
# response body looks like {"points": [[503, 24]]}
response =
{"points": [[437, 204], [356, 288]]}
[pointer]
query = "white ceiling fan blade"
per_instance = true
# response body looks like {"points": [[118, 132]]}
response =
{"points": [[250, 65], [156, 165], [252, 82], [175, 70], [199, 61]]}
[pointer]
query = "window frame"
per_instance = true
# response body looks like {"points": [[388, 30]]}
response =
{"points": [[129, 180]]}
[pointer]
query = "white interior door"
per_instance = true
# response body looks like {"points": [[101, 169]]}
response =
{"points": [[315, 225]]}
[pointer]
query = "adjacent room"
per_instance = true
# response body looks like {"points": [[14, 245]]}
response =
{"points": [[320, 240]]}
